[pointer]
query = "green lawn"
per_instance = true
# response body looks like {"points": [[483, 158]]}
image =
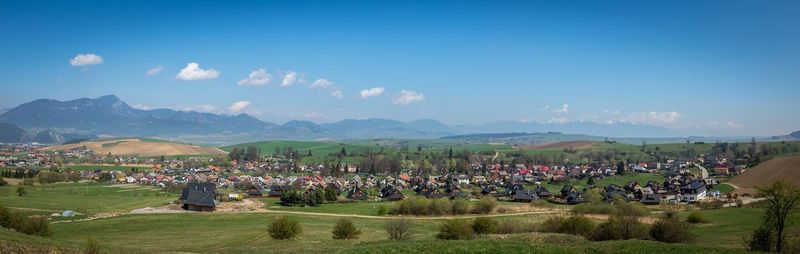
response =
{"points": [[729, 225], [104, 167], [85, 197], [724, 188]]}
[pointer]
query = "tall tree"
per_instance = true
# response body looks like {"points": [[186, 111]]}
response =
{"points": [[781, 198]]}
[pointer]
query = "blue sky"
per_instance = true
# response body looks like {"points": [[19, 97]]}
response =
{"points": [[728, 66]]}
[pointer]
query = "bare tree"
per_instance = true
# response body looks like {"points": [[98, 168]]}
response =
{"points": [[781, 199]]}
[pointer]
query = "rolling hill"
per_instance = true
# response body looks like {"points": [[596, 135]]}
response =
{"points": [[144, 147], [779, 168]]}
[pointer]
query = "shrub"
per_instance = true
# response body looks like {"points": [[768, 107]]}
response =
{"points": [[484, 225], [92, 246], [398, 229], [762, 239], [21, 191], [3, 182], [671, 230], [574, 225], [696, 217], [37, 226], [459, 207], [284, 228], [383, 210], [608, 230], [485, 206], [6, 217], [512, 227], [439, 206], [344, 229], [27, 181], [455, 230]]}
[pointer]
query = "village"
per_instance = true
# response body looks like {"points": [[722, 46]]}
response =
{"points": [[671, 181]]}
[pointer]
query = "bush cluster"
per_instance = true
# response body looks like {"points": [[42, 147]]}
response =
{"points": [[344, 229], [485, 206], [398, 229], [697, 217], [574, 225], [284, 228], [671, 230], [484, 225], [455, 230], [442, 206], [37, 226]]}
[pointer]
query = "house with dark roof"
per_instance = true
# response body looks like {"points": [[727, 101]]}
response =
{"points": [[524, 196], [651, 199], [199, 197], [278, 190], [542, 192]]}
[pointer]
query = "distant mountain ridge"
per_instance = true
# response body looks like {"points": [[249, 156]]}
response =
{"points": [[110, 116], [10, 133]]}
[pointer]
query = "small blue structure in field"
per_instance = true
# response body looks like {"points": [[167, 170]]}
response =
{"points": [[68, 213]]}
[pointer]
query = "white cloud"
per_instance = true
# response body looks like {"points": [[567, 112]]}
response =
{"points": [[155, 70], [193, 72], [86, 59], [207, 108], [258, 77], [142, 107], [654, 117], [238, 106], [406, 97], [321, 84], [337, 93], [372, 92], [289, 78], [563, 110]]}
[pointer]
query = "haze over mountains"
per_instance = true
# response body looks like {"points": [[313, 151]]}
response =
{"points": [[52, 121]]}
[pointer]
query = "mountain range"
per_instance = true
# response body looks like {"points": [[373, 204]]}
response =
{"points": [[57, 121]]}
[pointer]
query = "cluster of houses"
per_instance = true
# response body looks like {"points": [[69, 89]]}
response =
{"points": [[523, 182]]}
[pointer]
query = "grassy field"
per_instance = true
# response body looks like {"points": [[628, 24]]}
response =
{"points": [[729, 225], [246, 233], [84, 197], [105, 167], [316, 147]]}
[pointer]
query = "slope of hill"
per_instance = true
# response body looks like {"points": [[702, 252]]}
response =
{"points": [[779, 168], [144, 147], [10, 133]]}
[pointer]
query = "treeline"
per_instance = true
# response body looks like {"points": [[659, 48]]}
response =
{"points": [[313, 197], [251, 153], [19, 173]]}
